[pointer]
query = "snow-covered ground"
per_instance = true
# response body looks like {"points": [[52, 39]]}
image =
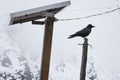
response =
{"points": [[14, 64]]}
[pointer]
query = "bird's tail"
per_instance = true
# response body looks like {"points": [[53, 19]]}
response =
{"points": [[72, 36]]}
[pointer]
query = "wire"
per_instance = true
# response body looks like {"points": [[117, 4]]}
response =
{"points": [[93, 15], [91, 9], [118, 5]]}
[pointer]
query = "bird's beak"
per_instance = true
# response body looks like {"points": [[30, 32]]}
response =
{"points": [[93, 27]]}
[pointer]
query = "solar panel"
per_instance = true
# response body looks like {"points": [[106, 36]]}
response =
{"points": [[37, 13]]}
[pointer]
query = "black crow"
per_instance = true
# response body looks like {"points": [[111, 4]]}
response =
{"points": [[82, 33]]}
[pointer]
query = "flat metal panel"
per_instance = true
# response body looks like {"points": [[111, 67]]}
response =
{"points": [[37, 13]]}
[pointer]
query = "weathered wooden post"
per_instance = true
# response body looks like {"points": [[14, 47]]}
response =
{"points": [[47, 44], [84, 60]]}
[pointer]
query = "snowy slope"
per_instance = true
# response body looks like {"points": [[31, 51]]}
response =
{"points": [[69, 71], [13, 63]]}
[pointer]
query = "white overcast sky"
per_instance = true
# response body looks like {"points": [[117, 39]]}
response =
{"points": [[104, 38]]}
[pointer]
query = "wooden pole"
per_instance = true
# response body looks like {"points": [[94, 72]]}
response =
{"points": [[44, 74], [84, 60]]}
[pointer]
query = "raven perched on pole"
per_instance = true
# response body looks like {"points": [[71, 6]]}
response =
{"points": [[83, 33]]}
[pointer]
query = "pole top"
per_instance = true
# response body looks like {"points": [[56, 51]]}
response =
{"points": [[85, 39]]}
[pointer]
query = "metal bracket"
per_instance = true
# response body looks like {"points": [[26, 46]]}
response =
{"points": [[88, 45], [38, 22]]}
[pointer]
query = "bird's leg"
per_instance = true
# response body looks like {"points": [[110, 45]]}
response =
{"points": [[85, 39]]}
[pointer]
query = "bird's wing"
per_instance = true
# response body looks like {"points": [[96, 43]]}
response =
{"points": [[84, 31]]}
